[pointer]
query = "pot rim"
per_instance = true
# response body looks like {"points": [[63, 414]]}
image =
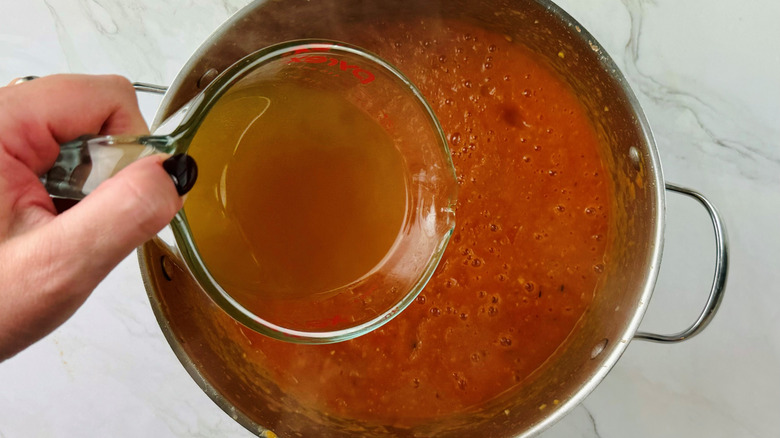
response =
{"points": [[620, 345], [658, 237]]}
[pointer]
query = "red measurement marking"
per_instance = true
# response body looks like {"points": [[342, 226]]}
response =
{"points": [[305, 56]]}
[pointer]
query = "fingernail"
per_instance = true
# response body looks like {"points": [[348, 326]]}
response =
{"points": [[183, 172]]}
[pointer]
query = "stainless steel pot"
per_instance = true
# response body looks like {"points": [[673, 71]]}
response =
{"points": [[193, 324]]}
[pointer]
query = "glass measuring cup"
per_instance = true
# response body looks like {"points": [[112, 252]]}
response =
{"points": [[329, 312]]}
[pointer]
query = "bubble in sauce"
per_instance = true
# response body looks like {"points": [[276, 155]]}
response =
{"points": [[460, 380]]}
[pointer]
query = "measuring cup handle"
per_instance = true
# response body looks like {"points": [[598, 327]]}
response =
{"points": [[89, 160], [141, 87], [718, 280]]}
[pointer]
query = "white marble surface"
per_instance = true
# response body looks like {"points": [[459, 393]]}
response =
{"points": [[708, 76]]}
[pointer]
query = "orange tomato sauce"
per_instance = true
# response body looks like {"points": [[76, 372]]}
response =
{"points": [[522, 264]]}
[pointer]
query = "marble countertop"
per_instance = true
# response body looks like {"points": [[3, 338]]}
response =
{"points": [[708, 76]]}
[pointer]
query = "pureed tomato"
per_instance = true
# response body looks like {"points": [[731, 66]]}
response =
{"points": [[522, 264]]}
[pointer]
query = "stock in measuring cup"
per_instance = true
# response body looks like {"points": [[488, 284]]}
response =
{"points": [[325, 196]]}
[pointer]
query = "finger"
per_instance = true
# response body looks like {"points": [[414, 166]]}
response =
{"points": [[102, 229], [121, 214], [51, 110], [55, 266]]}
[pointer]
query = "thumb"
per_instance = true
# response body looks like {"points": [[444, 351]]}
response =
{"points": [[124, 212], [51, 270]]}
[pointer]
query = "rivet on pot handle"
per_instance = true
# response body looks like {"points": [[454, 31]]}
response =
{"points": [[719, 277]]}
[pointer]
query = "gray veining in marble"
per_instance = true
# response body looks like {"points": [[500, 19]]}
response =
{"points": [[706, 74]]}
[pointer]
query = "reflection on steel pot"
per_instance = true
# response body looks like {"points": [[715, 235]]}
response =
{"points": [[233, 367]]}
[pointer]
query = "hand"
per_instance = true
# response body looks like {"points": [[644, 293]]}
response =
{"points": [[50, 263]]}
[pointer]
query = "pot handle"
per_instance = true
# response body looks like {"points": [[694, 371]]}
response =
{"points": [[139, 86], [149, 88], [719, 277]]}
